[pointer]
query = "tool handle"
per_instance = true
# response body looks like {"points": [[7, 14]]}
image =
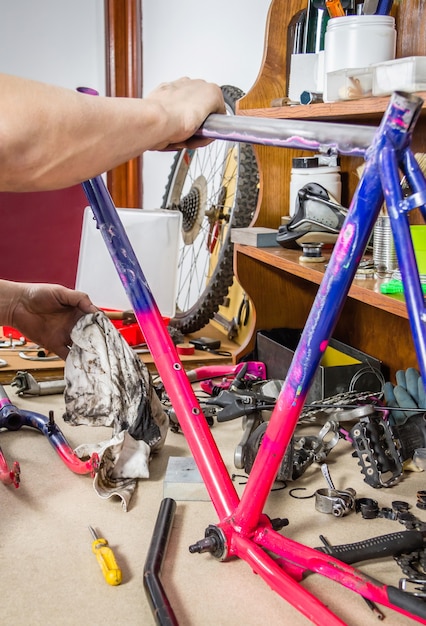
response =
{"points": [[376, 547], [334, 8], [107, 562]]}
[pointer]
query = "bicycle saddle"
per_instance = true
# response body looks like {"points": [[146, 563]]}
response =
{"points": [[318, 218]]}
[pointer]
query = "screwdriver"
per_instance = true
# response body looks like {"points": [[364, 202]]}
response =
{"points": [[334, 8], [106, 559]]}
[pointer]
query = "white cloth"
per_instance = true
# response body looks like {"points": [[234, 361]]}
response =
{"points": [[106, 384]]}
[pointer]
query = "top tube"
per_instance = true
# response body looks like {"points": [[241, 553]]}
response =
{"points": [[323, 137]]}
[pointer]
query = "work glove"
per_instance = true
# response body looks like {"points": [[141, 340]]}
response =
{"points": [[407, 397]]}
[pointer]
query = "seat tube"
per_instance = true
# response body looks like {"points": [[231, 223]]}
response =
{"points": [[316, 334]]}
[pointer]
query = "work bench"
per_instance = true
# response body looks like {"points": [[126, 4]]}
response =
{"points": [[50, 575], [44, 369]]}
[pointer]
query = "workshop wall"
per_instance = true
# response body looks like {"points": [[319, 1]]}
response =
{"points": [[62, 43], [221, 42]]}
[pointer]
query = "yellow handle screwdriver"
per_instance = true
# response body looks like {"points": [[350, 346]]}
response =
{"points": [[106, 559]]}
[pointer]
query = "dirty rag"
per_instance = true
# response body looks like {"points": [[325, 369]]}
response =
{"points": [[106, 384]]}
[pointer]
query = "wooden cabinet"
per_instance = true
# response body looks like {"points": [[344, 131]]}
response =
{"points": [[281, 288]]}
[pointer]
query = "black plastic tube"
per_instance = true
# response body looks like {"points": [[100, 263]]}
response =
{"points": [[160, 605]]}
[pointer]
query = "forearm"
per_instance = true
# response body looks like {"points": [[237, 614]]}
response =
{"points": [[52, 137], [10, 293]]}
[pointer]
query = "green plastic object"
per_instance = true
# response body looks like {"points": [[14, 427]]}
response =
{"points": [[395, 286]]}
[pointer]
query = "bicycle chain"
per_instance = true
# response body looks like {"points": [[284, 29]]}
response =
{"points": [[413, 564], [339, 403], [407, 564]]}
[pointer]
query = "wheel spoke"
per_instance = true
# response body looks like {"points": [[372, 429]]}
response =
{"points": [[204, 185]]}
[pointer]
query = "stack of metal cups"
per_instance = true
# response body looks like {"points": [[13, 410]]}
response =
{"points": [[384, 255]]}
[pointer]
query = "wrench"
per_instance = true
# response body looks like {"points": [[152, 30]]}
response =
{"points": [[26, 385]]}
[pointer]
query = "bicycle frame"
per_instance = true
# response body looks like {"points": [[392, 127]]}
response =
{"points": [[243, 530]]}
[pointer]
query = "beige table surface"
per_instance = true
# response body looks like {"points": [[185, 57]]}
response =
{"points": [[50, 575]]}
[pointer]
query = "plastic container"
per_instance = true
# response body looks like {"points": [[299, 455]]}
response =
{"points": [[349, 84], [131, 332], [154, 236], [407, 74], [358, 41], [418, 235], [308, 170]]}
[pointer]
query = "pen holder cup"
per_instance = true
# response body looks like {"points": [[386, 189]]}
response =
{"points": [[358, 41]]}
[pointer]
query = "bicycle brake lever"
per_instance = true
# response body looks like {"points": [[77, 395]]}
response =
{"points": [[235, 405]]}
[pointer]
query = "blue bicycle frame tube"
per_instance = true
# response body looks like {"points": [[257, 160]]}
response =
{"points": [[329, 301], [242, 527]]}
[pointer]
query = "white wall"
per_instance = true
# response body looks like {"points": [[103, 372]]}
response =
{"points": [[220, 41], [56, 41], [62, 42]]}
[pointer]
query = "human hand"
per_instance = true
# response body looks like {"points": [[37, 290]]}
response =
{"points": [[44, 313], [187, 103], [408, 396]]}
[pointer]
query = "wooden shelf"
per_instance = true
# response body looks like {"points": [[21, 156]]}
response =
{"points": [[365, 109], [366, 290], [281, 288]]}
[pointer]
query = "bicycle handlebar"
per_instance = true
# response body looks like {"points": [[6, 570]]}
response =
{"points": [[377, 547]]}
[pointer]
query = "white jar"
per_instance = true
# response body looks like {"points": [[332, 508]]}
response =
{"points": [[307, 170], [358, 41]]}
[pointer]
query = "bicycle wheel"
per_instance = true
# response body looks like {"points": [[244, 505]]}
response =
{"points": [[215, 188]]}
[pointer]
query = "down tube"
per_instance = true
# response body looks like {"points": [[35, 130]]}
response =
{"points": [[324, 314], [191, 419]]}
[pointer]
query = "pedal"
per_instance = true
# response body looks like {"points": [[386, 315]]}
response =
{"points": [[378, 456]]}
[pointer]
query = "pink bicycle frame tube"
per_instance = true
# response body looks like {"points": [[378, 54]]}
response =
{"points": [[247, 532]]}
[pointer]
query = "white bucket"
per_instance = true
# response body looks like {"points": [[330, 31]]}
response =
{"points": [[358, 41]]}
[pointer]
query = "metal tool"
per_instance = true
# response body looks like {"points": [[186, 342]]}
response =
{"points": [[326, 473], [332, 500], [106, 559], [370, 7], [230, 326], [41, 356], [26, 385], [11, 343]]}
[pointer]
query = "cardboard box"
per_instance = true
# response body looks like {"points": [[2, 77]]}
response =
{"points": [[342, 368]]}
